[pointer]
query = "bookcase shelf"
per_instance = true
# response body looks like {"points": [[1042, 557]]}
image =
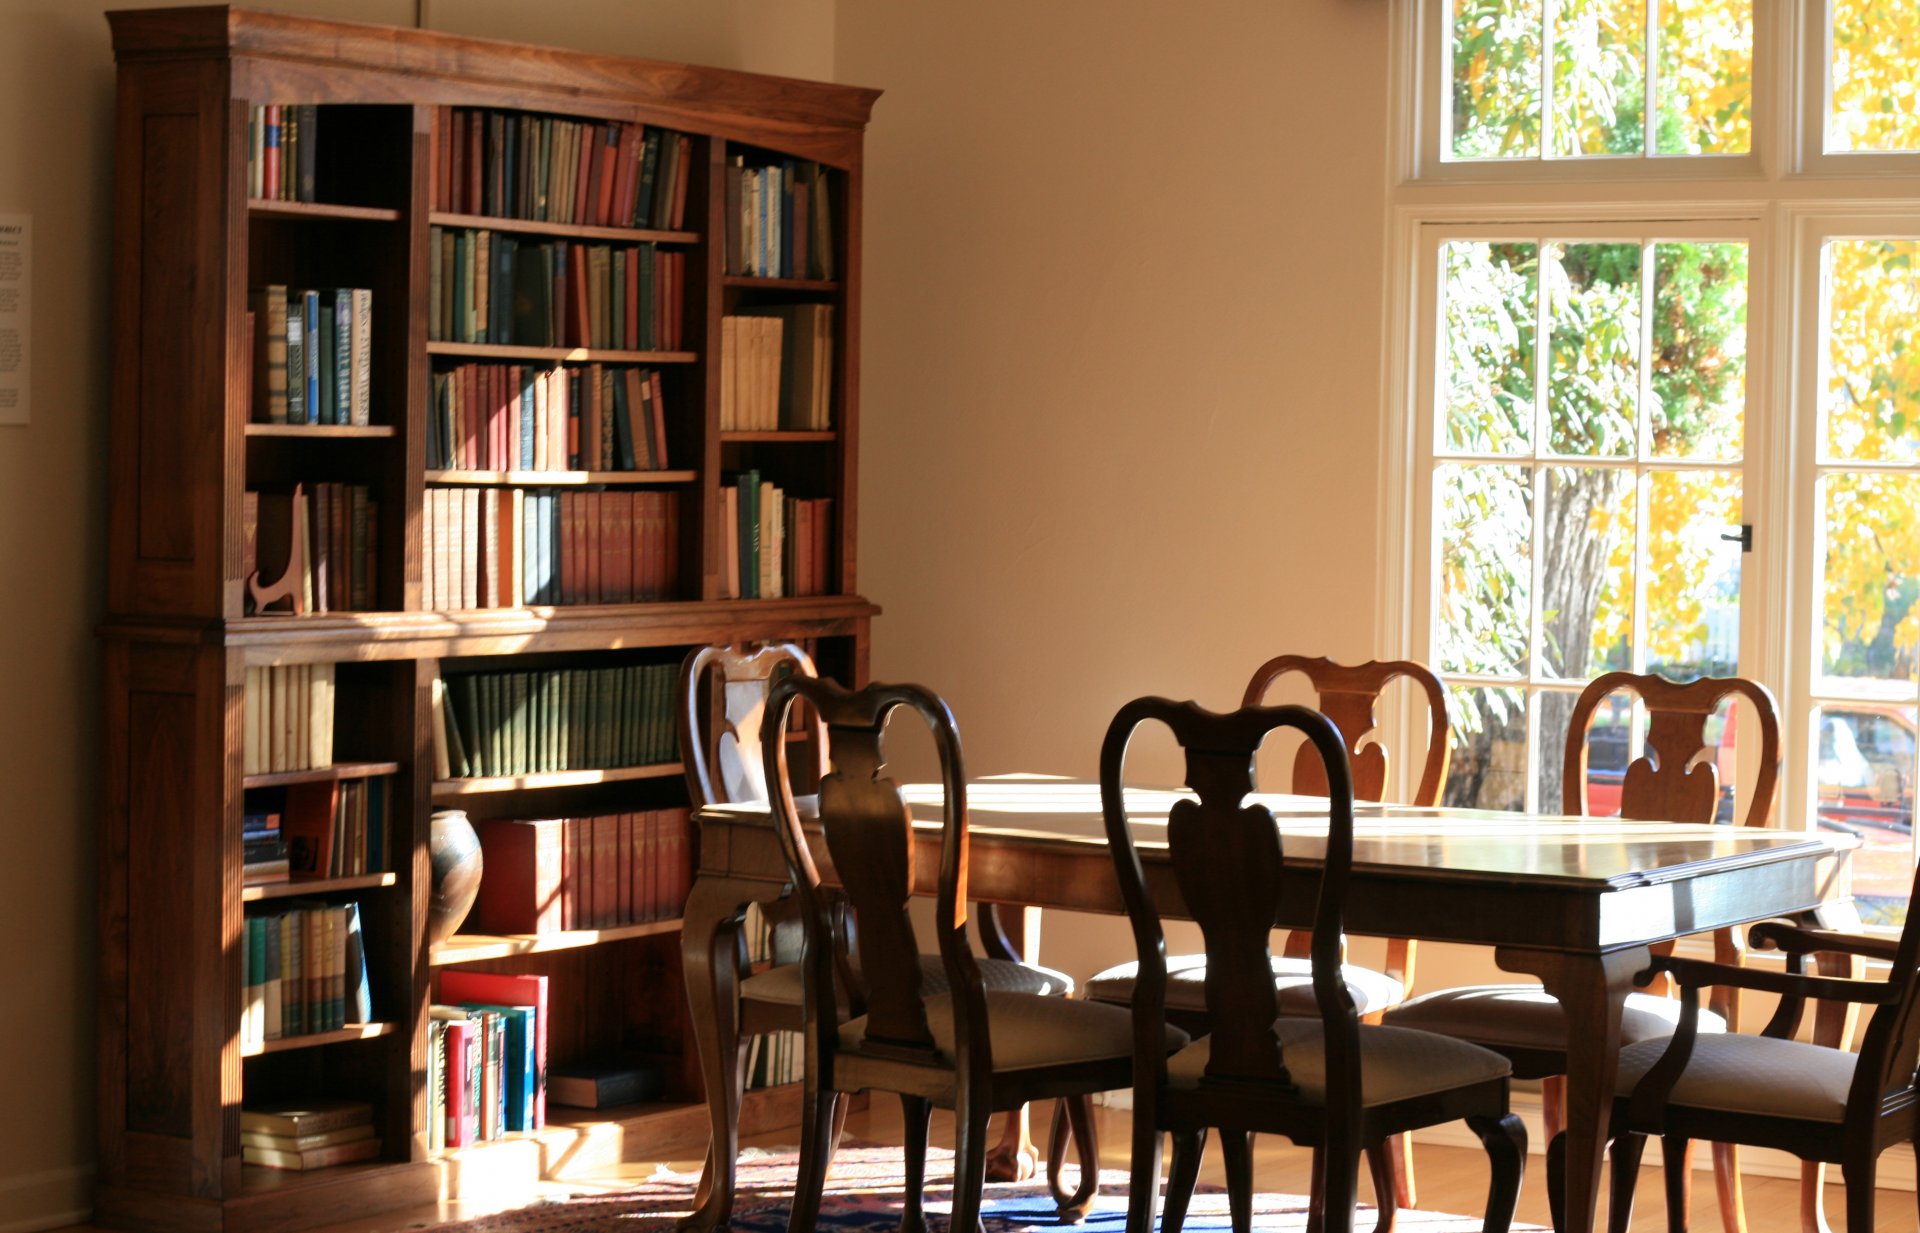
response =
{"points": [[631, 235], [255, 892], [559, 355], [260, 207], [755, 281], [201, 495], [338, 432], [476, 947], [793, 436], [453, 789], [339, 1036], [547, 478], [321, 774]]}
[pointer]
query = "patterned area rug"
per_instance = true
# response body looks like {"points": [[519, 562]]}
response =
{"points": [[863, 1196]]}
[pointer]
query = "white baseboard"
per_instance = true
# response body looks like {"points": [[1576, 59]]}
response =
{"points": [[1896, 1165], [49, 1200]]}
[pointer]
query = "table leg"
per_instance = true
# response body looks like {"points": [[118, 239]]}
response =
{"points": [[709, 942], [1593, 989]]}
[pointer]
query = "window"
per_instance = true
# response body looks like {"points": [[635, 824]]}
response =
{"points": [[1659, 263]]}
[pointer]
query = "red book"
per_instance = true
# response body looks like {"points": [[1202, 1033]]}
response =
{"points": [[591, 539], [462, 1045], [823, 546], [476, 140], [657, 409], [470, 407], [585, 137], [598, 160], [526, 870], [623, 829], [606, 871], [631, 293], [682, 167], [453, 152], [569, 564], [575, 898], [616, 570], [626, 162], [461, 985], [646, 897], [662, 864], [579, 322], [590, 459]]}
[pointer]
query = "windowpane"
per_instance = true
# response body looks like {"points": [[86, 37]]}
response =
{"points": [[1594, 357], [1599, 77], [1693, 574], [1490, 311], [1489, 766], [1873, 370], [1699, 359], [1864, 765], [1876, 105], [1486, 553], [1704, 88], [1872, 579], [1496, 78], [1610, 740], [1586, 575]]}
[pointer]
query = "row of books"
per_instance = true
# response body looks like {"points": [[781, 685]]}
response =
{"points": [[306, 969], [547, 169], [511, 547], [281, 140], [287, 718], [486, 286], [308, 1134], [776, 545], [777, 368], [515, 417], [779, 219], [312, 355], [557, 719], [337, 828], [486, 1057], [338, 529], [595, 872]]}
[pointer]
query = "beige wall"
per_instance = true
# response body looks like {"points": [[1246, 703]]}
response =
{"points": [[1121, 377], [56, 129]]}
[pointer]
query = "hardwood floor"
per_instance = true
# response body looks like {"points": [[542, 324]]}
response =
{"points": [[1450, 1179]]}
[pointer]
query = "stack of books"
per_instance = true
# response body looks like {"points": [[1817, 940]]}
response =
{"points": [[264, 847], [312, 1134]]}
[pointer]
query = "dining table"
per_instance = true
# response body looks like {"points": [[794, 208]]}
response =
{"points": [[1576, 902]]}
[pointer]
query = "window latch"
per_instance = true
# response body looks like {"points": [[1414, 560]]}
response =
{"points": [[1744, 538]]}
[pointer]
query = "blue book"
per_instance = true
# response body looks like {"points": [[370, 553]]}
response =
{"points": [[327, 361], [527, 403], [343, 355], [310, 354]]}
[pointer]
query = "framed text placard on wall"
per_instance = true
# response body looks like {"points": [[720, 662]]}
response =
{"points": [[16, 301]]}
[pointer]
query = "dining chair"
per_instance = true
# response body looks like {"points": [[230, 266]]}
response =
{"points": [[1819, 1102], [956, 1043], [1349, 695], [1328, 1081], [723, 696], [1677, 780]]}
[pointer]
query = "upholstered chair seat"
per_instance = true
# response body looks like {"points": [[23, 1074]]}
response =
{"points": [[1372, 991], [1520, 1016], [1395, 1064], [783, 985], [1751, 1074], [1028, 1031]]}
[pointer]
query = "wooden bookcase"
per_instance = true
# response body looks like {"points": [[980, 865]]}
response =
{"points": [[179, 639]]}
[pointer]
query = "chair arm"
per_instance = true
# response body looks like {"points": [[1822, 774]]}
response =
{"points": [[1697, 974], [1798, 940]]}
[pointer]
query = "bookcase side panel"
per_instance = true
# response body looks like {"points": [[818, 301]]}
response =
{"points": [[173, 376], [847, 379]]}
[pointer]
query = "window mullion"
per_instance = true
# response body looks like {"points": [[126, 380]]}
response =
{"points": [[1549, 23], [1650, 116]]}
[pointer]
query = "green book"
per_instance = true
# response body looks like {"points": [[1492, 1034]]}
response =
{"points": [[576, 709], [748, 485]]}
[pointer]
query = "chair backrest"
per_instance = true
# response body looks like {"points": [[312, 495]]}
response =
{"points": [[723, 701], [1227, 857], [869, 839], [1349, 695], [1677, 779]]}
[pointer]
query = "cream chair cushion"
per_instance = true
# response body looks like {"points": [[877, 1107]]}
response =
{"points": [[1187, 985], [1751, 1074], [1028, 1030], [1528, 1017], [781, 985], [1395, 1064]]}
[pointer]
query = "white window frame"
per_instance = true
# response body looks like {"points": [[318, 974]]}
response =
{"points": [[1790, 195]]}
